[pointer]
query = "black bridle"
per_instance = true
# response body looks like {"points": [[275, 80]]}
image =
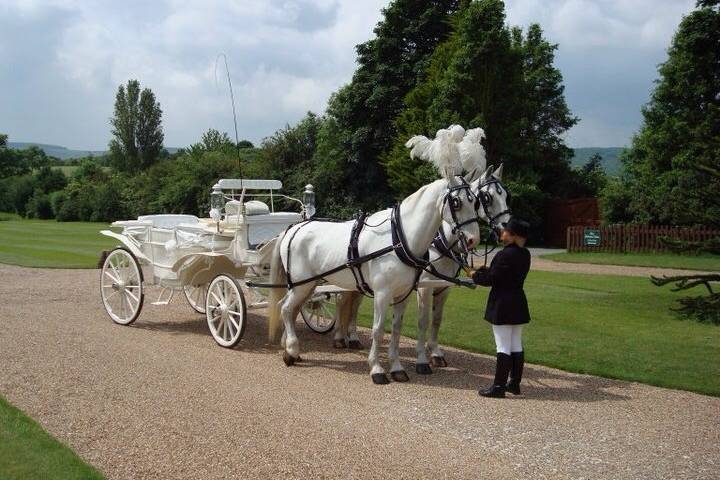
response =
{"points": [[486, 201], [455, 203]]}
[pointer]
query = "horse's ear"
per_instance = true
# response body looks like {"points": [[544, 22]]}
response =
{"points": [[487, 172], [471, 176], [498, 173]]}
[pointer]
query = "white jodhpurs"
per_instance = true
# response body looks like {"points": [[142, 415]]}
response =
{"points": [[508, 338]]}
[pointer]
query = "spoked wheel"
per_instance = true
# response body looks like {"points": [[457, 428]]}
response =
{"points": [[320, 312], [121, 286], [226, 310], [195, 295]]}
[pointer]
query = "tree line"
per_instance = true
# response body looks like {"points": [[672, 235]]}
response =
{"points": [[430, 63]]}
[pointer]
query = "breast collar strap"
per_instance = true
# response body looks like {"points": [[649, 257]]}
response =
{"points": [[354, 254], [402, 249]]}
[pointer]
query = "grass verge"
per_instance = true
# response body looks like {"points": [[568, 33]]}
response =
{"points": [[612, 326], [28, 452], [660, 260], [51, 244]]}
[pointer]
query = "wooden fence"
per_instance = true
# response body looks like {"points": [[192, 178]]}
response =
{"points": [[634, 237]]}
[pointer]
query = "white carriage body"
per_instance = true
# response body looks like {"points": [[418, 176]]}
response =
{"points": [[178, 250]]}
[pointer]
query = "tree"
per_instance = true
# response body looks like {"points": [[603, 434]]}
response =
{"points": [[137, 128], [12, 162], [362, 113], [668, 167], [214, 141], [702, 308], [289, 153], [488, 75]]}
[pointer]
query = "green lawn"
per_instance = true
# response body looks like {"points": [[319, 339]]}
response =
{"points": [[51, 244], [665, 260], [612, 326], [28, 452]]}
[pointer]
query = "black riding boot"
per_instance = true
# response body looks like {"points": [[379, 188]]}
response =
{"points": [[502, 369], [516, 371]]}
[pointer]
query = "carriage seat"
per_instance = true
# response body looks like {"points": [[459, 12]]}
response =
{"points": [[169, 221], [252, 207], [261, 228]]}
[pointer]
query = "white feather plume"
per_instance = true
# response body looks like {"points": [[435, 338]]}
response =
{"points": [[471, 151], [441, 152]]}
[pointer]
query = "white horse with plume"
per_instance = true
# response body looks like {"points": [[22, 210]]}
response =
{"points": [[309, 250], [444, 254]]}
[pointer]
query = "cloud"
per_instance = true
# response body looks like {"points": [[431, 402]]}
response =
{"points": [[285, 58], [67, 58], [608, 53]]}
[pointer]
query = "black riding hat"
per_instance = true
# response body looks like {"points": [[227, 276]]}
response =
{"points": [[518, 227]]}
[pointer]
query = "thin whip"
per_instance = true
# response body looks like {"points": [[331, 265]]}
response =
{"points": [[232, 101]]}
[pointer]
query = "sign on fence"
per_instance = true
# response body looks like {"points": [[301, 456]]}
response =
{"points": [[591, 237]]}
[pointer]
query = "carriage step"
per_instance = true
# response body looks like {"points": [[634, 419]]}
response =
{"points": [[167, 299]]}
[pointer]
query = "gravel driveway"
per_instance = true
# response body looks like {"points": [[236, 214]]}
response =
{"points": [[161, 400]]}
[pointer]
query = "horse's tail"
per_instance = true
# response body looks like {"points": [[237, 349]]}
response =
{"points": [[278, 276]]}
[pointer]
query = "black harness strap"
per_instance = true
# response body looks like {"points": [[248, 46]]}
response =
{"points": [[354, 254], [402, 249]]}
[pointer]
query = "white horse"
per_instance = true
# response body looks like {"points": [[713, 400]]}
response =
{"points": [[315, 250], [431, 300]]}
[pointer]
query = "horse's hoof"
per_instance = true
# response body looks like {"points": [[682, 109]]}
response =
{"points": [[423, 369], [339, 343], [289, 359], [355, 345], [399, 376], [380, 379], [438, 361], [298, 359]]}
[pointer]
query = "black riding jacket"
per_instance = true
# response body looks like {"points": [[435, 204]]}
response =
{"points": [[507, 304]]}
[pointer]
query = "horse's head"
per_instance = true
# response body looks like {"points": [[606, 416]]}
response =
{"points": [[493, 197], [460, 212]]}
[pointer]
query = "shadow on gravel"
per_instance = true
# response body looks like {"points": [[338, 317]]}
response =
{"points": [[466, 371]]}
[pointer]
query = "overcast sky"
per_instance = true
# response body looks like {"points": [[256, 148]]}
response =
{"points": [[62, 61]]}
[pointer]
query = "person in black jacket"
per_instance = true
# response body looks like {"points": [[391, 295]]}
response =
{"points": [[507, 307]]}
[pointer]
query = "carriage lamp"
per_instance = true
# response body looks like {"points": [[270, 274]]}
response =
{"points": [[309, 201], [217, 202]]}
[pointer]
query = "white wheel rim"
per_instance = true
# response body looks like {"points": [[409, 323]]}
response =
{"points": [[121, 287], [319, 314], [225, 311], [195, 296]]}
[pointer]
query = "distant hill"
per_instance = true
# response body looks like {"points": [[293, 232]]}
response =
{"points": [[58, 151], [610, 157], [64, 153]]}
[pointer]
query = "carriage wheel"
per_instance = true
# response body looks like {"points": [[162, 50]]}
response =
{"points": [[195, 295], [320, 312], [121, 286], [226, 310]]}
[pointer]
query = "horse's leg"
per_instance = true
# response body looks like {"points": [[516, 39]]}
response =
{"points": [[425, 301], [354, 340], [436, 354], [289, 309], [344, 300], [397, 372], [381, 302]]}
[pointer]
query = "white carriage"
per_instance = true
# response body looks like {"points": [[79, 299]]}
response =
{"points": [[210, 259]]}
